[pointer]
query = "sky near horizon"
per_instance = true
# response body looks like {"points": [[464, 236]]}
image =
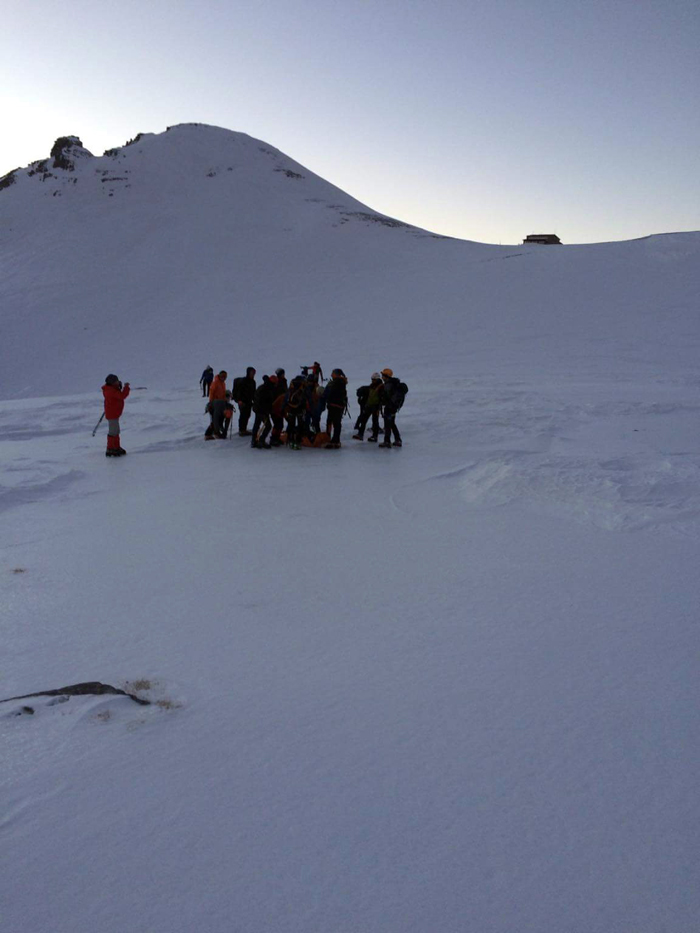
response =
{"points": [[480, 120]]}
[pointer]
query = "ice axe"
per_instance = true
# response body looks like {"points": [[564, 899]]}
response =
{"points": [[98, 424]]}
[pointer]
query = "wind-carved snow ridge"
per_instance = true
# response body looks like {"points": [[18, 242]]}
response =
{"points": [[623, 494], [23, 484], [543, 458]]}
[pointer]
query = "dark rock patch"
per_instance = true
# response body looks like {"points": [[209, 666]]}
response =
{"points": [[289, 173], [66, 150], [376, 218], [8, 179], [92, 688]]}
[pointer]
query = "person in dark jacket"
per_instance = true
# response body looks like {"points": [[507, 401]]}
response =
{"points": [[277, 413], [206, 381], [361, 394], [392, 400], [335, 396], [114, 395], [295, 409], [315, 405], [262, 406], [372, 409], [243, 394], [281, 380]]}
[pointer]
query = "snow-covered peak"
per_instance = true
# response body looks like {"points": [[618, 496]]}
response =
{"points": [[206, 168], [180, 246]]}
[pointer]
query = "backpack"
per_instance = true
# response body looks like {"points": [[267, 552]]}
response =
{"points": [[398, 394], [236, 389], [336, 393]]}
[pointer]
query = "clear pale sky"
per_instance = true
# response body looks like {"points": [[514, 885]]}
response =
{"points": [[483, 120]]}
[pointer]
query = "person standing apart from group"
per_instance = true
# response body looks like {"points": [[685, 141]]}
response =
{"points": [[206, 381], [114, 395]]}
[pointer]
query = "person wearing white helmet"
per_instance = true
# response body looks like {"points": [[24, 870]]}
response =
{"points": [[370, 409]]}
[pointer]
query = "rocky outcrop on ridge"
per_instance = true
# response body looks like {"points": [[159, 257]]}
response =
{"points": [[66, 150]]}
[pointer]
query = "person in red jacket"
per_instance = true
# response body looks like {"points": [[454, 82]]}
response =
{"points": [[114, 394]]}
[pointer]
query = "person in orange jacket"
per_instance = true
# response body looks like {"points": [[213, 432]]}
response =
{"points": [[114, 395], [219, 403]]}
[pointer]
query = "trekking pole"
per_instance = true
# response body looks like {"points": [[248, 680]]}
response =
{"points": [[98, 424]]}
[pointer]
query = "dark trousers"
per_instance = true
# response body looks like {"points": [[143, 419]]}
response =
{"points": [[335, 423], [359, 418], [243, 416], [205, 389], [218, 407], [277, 426], [312, 421], [390, 426], [368, 413], [261, 421], [294, 422]]}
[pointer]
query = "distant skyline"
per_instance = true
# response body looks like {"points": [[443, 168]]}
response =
{"points": [[485, 121]]}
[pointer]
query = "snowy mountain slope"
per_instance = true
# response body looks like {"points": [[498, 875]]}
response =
{"points": [[450, 687], [201, 242]]}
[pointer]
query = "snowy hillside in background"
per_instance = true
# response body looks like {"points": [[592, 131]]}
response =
{"points": [[200, 242], [194, 239], [450, 688]]}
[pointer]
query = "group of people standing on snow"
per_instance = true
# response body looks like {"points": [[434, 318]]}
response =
{"points": [[301, 403], [285, 412]]}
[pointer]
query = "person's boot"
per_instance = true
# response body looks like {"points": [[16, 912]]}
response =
{"points": [[112, 446], [245, 433], [384, 444], [358, 437], [398, 442], [372, 439]]}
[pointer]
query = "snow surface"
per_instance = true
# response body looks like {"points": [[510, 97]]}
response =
{"points": [[451, 687]]}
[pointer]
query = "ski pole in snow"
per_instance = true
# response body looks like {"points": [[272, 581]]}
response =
{"points": [[98, 424]]}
